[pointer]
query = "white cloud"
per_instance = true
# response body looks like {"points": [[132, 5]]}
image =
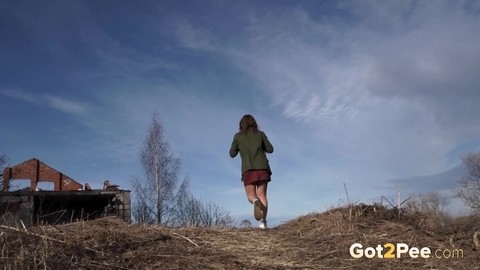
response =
{"points": [[51, 101], [399, 97], [65, 105]]}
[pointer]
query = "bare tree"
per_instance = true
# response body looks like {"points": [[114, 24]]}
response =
{"points": [[432, 203], [430, 207], [469, 190], [157, 198], [154, 194], [212, 215], [194, 212], [142, 210], [246, 223], [3, 162]]}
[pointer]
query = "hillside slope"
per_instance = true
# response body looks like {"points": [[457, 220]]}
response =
{"points": [[314, 241]]}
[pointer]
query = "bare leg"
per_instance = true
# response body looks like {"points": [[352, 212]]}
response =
{"points": [[262, 195], [251, 192]]}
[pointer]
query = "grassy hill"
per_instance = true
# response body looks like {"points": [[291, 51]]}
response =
{"points": [[314, 241]]}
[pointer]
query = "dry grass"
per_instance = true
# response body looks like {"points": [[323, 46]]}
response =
{"points": [[314, 241]]}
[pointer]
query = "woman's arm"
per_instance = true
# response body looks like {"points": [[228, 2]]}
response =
{"points": [[268, 146], [234, 147]]}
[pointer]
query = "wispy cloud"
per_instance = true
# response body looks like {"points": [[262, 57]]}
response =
{"points": [[387, 95], [389, 85], [20, 95], [191, 37], [51, 101], [66, 106]]}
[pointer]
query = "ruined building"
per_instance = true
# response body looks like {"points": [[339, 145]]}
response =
{"points": [[68, 201]]}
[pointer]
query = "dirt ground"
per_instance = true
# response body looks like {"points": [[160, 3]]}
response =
{"points": [[314, 241]]}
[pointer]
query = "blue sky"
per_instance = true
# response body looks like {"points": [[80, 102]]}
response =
{"points": [[355, 92]]}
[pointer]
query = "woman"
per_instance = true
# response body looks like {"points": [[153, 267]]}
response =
{"points": [[253, 145]]}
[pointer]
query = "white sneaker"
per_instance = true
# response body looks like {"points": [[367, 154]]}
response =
{"points": [[263, 224], [257, 209]]}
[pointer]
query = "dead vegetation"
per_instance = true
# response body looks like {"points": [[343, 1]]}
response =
{"points": [[314, 241]]}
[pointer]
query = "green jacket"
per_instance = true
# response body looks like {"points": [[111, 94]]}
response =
{"points": [[253, 147]]}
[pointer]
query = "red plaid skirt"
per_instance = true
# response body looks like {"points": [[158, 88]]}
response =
{"points": [[254, 177]]}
